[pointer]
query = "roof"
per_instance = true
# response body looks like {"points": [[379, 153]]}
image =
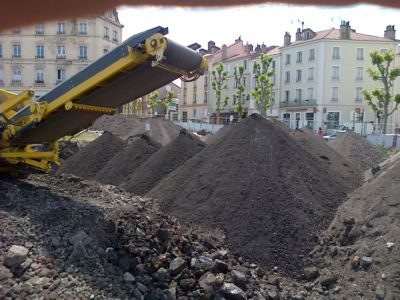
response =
{"points": [[334, 34]]}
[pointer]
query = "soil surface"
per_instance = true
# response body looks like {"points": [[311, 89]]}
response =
{"points": [[167, 159], [122, 165], [357, 149], [344, 170], [124, 126], [91, 159], [362, 245], [270, 196]]}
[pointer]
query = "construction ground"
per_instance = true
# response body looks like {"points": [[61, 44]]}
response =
{"points": [[257, 212]]}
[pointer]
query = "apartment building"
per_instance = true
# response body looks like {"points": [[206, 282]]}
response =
{"points": [[323, 75], [40, 56]]}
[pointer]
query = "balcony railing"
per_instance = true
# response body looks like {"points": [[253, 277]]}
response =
{"points": [[60, 56], [302, 103]]}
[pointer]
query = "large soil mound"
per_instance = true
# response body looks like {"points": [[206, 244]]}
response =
{"points": [[345, 171], [171, 156], [269, 195], [125, 126], [362, 245], [91, 159], [118, 169], [363, 154]]}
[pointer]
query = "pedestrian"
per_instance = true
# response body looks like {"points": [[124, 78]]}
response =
{"points": [[320, 133]]}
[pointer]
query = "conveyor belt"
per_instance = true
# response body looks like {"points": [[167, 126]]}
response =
{"points": [[121, 89]]}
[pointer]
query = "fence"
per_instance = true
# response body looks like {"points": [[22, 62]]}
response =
{"points": [[199, 126]]}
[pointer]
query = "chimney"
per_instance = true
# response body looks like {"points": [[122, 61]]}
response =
{"points": [[239, 39], [264, 48], [258, 48], [287, 39], [249, 48], [390, 32], [223, 52], [298, 34], [211, 44], [345, 30]]}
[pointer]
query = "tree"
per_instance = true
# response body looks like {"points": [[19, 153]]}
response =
{"points": [[218, 84], [154, 99], [241, 97], [262, 92], [379, 99], [168, 99]]}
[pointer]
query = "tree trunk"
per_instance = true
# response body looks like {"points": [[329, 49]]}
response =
{"points": [[385, 117]]}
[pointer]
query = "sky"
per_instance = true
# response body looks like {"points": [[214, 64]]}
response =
{"points": [[255, 24]]}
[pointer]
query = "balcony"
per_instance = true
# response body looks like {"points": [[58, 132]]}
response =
{"points": [[61, 56], [39, 83], [82, 58], [16, 56], [301, 103], [16, 82], [39, 57]]}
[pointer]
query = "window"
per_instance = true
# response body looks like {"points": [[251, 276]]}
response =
{"points": [[333, 119], [60, 28], [359, 94], [234, 99], [205, 97], [244, 81], [1, 50], [273, 64], [16, 75], [39, 29], [311, 54], [205, 81], [39, 51], [298, 95], [287, 60], [287, 77], [335, 53], [360, 54], [194, 112], [205, 112], [105, 33], [287, 96], [16, 31], [383, 51], [184, 99], [60, 75], [194, 98], [310, 94], [16, 51], [311, 73], [335, 94], [1, 76], [245, 64], [273, 96], [335, 72], [299, 57], [115, 36], [359, 73], [83, 28], [39, 78], [61, 52], [298, 75], [83, 52]]}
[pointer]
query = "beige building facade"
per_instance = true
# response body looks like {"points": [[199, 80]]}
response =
{"points": [[323, 75], [40, 56]]}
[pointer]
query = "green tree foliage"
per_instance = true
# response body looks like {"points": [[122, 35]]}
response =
{"points": [[168, 99], [218, 84], [154, 99], [379, 99], [241, 97], [262, 92]]}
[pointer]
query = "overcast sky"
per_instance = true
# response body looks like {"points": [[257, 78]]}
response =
{"points": [[255, 24]]}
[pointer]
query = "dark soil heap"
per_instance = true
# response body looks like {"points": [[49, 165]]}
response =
{"points": [[270, 196], [68, 149], [167, 159], [363, 241], [363, 154], [125, 126], [119, 168], [91, 159], [346, 173]]}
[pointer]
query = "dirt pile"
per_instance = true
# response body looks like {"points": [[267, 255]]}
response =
{"points": [[124, 126], [345, 172], [167, 159], [362, 245], [122, 165], [270, 196], [357, 149], [91, 159], [65, 238]]}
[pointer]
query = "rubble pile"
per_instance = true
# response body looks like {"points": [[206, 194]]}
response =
{"points": [[91, 159], [357, 149], [270, 197], [176, 153], [64, 237], [121, 166]]}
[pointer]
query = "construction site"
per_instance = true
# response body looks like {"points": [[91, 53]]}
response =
{"points": [[147, 210]]}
